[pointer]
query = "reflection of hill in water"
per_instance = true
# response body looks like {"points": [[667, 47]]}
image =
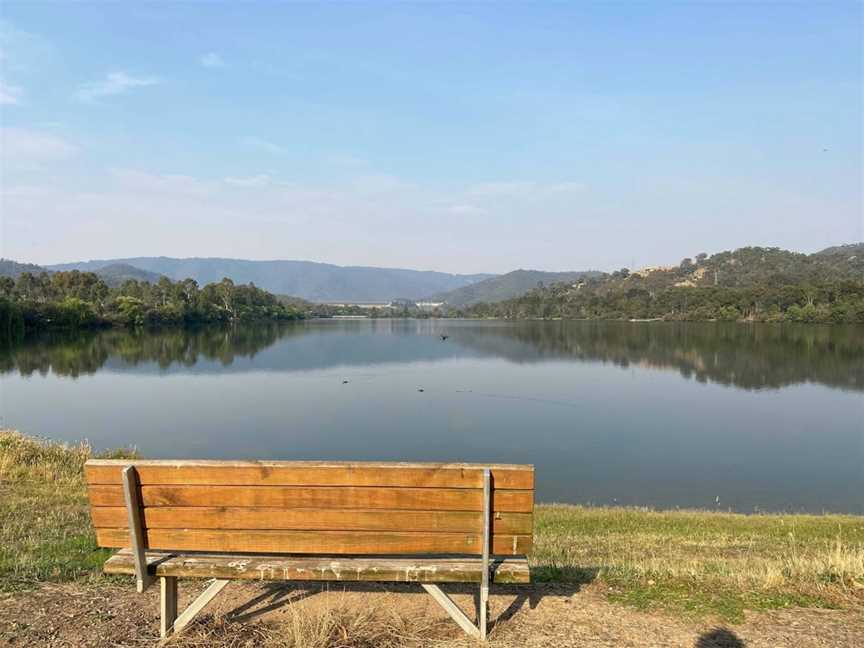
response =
{"points": [[747, 356], [750, 357], [263, 346]]}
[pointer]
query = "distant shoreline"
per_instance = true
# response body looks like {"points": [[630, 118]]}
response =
{"points": [[193, 324]]}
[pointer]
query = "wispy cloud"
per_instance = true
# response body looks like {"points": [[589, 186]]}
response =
{"points": [[261, 180], [23, 52], [22, 147], [211, 60], [524, 189], [261, 144], [114, 83], [10, 95]]}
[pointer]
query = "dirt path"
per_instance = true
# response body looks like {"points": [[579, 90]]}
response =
{"points": [[252, 614]]}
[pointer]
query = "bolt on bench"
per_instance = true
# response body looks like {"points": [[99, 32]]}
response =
{"points": [[313, 521]]}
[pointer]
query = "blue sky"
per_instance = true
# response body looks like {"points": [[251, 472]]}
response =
{"points": [[456, 137]]}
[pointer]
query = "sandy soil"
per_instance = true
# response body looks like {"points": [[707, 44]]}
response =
{"points": [[73, 615]]}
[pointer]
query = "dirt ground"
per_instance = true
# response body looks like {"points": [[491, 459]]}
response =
{"points": [[245, 614]]}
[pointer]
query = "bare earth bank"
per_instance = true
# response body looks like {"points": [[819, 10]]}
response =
{"points": [[363, 616]]}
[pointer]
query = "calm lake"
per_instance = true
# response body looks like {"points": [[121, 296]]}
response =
{"points": [[765, 417]]}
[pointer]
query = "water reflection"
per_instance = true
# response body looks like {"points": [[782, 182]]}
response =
{"points": [[651, 414], [755, 356]]}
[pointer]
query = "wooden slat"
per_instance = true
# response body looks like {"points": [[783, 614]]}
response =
{"points": [[317, 542], [310, 568], [350, 497], [276, 473], [170, 517]]}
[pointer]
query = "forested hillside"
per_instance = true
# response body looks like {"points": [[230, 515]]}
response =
{"points": [[506, 286], [116, 273], [113, 274], [758, 284], [13, 269]]}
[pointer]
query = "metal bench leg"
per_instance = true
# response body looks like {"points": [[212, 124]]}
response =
{"points": [[168, 589], [480, 630], [179, 622], [484, 578], [484, 611], [452, 609]]}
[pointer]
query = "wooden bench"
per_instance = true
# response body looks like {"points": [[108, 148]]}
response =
{"points": [[313, 521]]}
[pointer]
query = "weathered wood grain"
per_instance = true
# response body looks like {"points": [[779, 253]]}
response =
{"points": [[303, 568], [170, 517], [317, 542], [349, 497], [307, 473]]}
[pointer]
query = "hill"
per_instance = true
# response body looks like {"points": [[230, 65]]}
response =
{"points": [[116, 273], [112, 274], [752, 283], [505, 286], [844, 257], [304, 279], [9, 268]]}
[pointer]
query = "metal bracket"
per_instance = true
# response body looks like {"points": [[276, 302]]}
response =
{"points": [[487, 533], [136, 528], [480, 630], [452, 609], [171, 623]]}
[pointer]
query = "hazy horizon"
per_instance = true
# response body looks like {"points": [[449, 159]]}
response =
{"points": [[611, 268], [454, 138]]}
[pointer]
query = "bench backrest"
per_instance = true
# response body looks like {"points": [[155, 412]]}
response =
{"points": [[314, 507]]}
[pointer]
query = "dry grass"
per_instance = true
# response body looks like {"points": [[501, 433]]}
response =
{"points": [[41, 461], [45, 532], [332, 622], [701, 561]]}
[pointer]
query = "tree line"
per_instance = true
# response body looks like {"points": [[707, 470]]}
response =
{"points": [[77, 299]]}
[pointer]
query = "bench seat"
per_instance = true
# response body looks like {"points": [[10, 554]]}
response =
{"points": [[404, 569]]}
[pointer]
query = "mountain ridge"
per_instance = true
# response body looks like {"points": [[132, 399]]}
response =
{"points": [[506, 286], [310, 280]]}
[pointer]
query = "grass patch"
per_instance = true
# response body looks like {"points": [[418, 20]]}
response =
{"points": [[45, 531], [692, 563], [701, 563]]}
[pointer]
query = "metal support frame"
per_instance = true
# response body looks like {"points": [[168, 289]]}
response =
{"points": [[143, 579], [168, 607], [480, 630], [170, 622], [453, 610], [484, 578]]}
